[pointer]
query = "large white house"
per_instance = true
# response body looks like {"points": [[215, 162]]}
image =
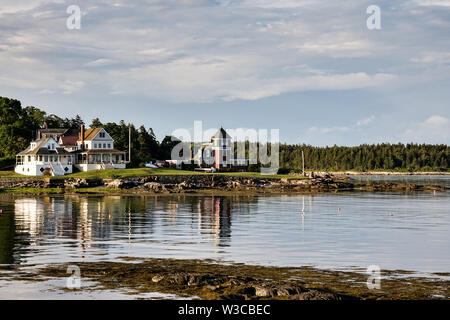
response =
{"points": [[96, 151], [92, 149], [44, 156]]}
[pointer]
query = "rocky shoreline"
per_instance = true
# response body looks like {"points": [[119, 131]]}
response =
{"points": [[197, 183], [207, 279]]}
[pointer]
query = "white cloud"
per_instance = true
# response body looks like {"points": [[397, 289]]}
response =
{"points": [[284, 4], [185, 51], [365, 121], [99, 63], [433, 3], [434, 129], [433, 57], [326, 130], [70, 86]]}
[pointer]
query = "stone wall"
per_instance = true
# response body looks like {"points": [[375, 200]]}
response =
{"points": [[179, 183]]}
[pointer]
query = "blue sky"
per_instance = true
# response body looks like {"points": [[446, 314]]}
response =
{"points": [[309, 68]]}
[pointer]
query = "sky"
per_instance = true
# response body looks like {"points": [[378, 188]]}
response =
{"points": [[311, 69]]}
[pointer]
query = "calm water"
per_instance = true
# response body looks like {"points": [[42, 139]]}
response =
{"points": [[393, 230]]}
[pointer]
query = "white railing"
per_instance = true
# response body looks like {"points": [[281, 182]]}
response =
{"points": [[108, 165]]}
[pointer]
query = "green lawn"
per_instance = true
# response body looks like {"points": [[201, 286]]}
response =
{"points": [[142, 172], [9, 174]]}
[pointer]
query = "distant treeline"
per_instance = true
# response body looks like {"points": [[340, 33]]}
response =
{"points": [[18, 126], [385, 156]]}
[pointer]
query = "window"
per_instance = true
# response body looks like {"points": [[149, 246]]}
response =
{"points": [[224, 158], [102, 134], [95, 146], [104, 146], [109, 145]]}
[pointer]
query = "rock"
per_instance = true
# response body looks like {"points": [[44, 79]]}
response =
{"points": [[261, 291], [316, 295], [180, 278], [287, 290], [155, 186], [116, 183], [158, 278], [211, 287]]}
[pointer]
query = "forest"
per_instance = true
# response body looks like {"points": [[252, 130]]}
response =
{"points": [[18, 126]]}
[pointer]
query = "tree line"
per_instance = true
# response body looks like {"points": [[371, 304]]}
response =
{"points": [[18, 126], [384, 156]]}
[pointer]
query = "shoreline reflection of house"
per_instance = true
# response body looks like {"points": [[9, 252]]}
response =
{"points": [[215, 215]]}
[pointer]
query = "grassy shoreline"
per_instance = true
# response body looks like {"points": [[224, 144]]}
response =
{"points": [[144, 172]]}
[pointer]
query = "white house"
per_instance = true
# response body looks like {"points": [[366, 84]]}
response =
{"points": [[44, 156], [92, 149], [96, 151]]}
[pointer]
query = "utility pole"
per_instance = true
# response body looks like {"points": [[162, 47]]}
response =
{"points": [[129, 142], [303, 162]]}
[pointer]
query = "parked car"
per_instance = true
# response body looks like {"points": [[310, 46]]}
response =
{"points": [[161, 163]]}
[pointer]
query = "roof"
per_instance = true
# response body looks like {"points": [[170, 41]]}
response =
{"points": [[68, 141], [41, 150], [54, 130], [35, 150], [90, 133], [100, 151], [221, 133]]}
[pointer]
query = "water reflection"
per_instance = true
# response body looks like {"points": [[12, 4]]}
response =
{"points": [[97, 222], [325, 230]]}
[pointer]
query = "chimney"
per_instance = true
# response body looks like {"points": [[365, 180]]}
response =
{"points": [[82, 136]]}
